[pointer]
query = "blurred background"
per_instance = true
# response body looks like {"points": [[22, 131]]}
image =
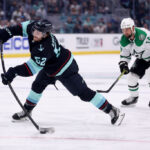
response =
{"points": [[77, 16]]}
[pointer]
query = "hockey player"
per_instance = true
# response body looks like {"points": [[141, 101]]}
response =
{"points": [[134, 41], [52, 62]]}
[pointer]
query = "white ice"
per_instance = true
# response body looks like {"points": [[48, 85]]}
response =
{"points": [[78, 125]]}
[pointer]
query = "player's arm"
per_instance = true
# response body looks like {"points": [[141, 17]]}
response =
{"points": [[125, 57], [25, 70], [17, 30], [8, 32], [146, 54], [125, 54]]}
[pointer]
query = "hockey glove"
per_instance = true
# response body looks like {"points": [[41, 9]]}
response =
{"points": [[124, 67], [8, 76]]}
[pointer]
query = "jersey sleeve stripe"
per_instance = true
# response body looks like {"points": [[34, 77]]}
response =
{"points": [[24, 28], [64, 66], [30, 73]]}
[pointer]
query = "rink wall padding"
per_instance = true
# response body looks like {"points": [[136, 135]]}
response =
{"points": [[79, 44], [74, 53]]}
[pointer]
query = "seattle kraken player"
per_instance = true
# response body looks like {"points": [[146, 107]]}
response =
{"points": [[52, 62]]}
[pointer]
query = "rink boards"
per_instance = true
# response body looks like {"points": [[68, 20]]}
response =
{"points": [[78, 43]]}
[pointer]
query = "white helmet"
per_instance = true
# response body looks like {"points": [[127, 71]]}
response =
{"points": [[127, 23]]}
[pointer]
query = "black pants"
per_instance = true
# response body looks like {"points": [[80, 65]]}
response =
{"points": [[71, 79], [139, 67]]}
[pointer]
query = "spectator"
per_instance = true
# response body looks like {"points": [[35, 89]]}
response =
{"points": [[92, 5], [125, 3], [1, 13], [78, 20], [66, 7], [20, 12], [146, 26], [94, 9], [110, 28], [87, 26], [4, 23], [33, 14], [146, 20], [75, 9], [52, 6], [77, 28], [141, 12], [99, 28], [84, 7], [69, 25], [103, 9], [28, 5], [42, 12], [61, 5]]}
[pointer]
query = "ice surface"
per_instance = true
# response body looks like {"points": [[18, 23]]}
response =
{"points": [[78, 125]]}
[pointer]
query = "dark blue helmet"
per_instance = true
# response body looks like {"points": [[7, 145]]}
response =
{"points": [[43, 26]]}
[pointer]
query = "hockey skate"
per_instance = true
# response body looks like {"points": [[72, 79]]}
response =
{"points": [[21, 116], [116, 116], [130, 101]]}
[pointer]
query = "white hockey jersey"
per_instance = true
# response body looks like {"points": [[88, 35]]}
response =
{"points": [[139, 47]]}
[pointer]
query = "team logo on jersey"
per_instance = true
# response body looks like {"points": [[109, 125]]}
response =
{"points": [[138, 55], [9, 32], [41, 48], [148, 38], [57, 51], [141, 37]]}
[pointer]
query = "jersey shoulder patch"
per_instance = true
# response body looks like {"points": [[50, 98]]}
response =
{"points": [[140, 36]]}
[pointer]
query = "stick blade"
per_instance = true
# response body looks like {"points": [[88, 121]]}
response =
{"points": [[47, 130], [101, 91]]}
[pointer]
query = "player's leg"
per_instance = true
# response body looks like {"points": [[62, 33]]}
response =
{"points": [[38, 86], [77, 86], [148, 76], [148, 79], [137, 71]]}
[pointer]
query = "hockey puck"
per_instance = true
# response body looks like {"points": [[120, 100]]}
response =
{"points": [[43, 132], [46, 130]]}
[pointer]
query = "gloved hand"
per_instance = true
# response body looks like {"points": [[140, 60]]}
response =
{"points": [[124, 67], [8, 76]]}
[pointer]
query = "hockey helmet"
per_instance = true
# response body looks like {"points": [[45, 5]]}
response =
{"points": [[127, 23], [43, 26]]}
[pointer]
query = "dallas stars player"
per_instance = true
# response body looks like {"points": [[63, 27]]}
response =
{"points": [[134, 41]]}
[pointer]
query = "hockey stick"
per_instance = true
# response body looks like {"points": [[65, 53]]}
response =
{"points": [[106, 91], [42, 130]]}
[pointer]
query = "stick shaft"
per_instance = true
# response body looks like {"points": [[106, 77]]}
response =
{"points": [[12, 90], [114, 83]]}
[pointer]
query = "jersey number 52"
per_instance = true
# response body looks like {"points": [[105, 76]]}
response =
{"points": [[40, 61]]}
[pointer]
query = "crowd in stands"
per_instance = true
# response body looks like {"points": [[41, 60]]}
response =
{"points": [[139, 10], [75, 16]]}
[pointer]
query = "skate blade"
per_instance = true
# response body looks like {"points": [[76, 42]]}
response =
{"points": [[21, 120], [120, 119], [129, 106]]}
